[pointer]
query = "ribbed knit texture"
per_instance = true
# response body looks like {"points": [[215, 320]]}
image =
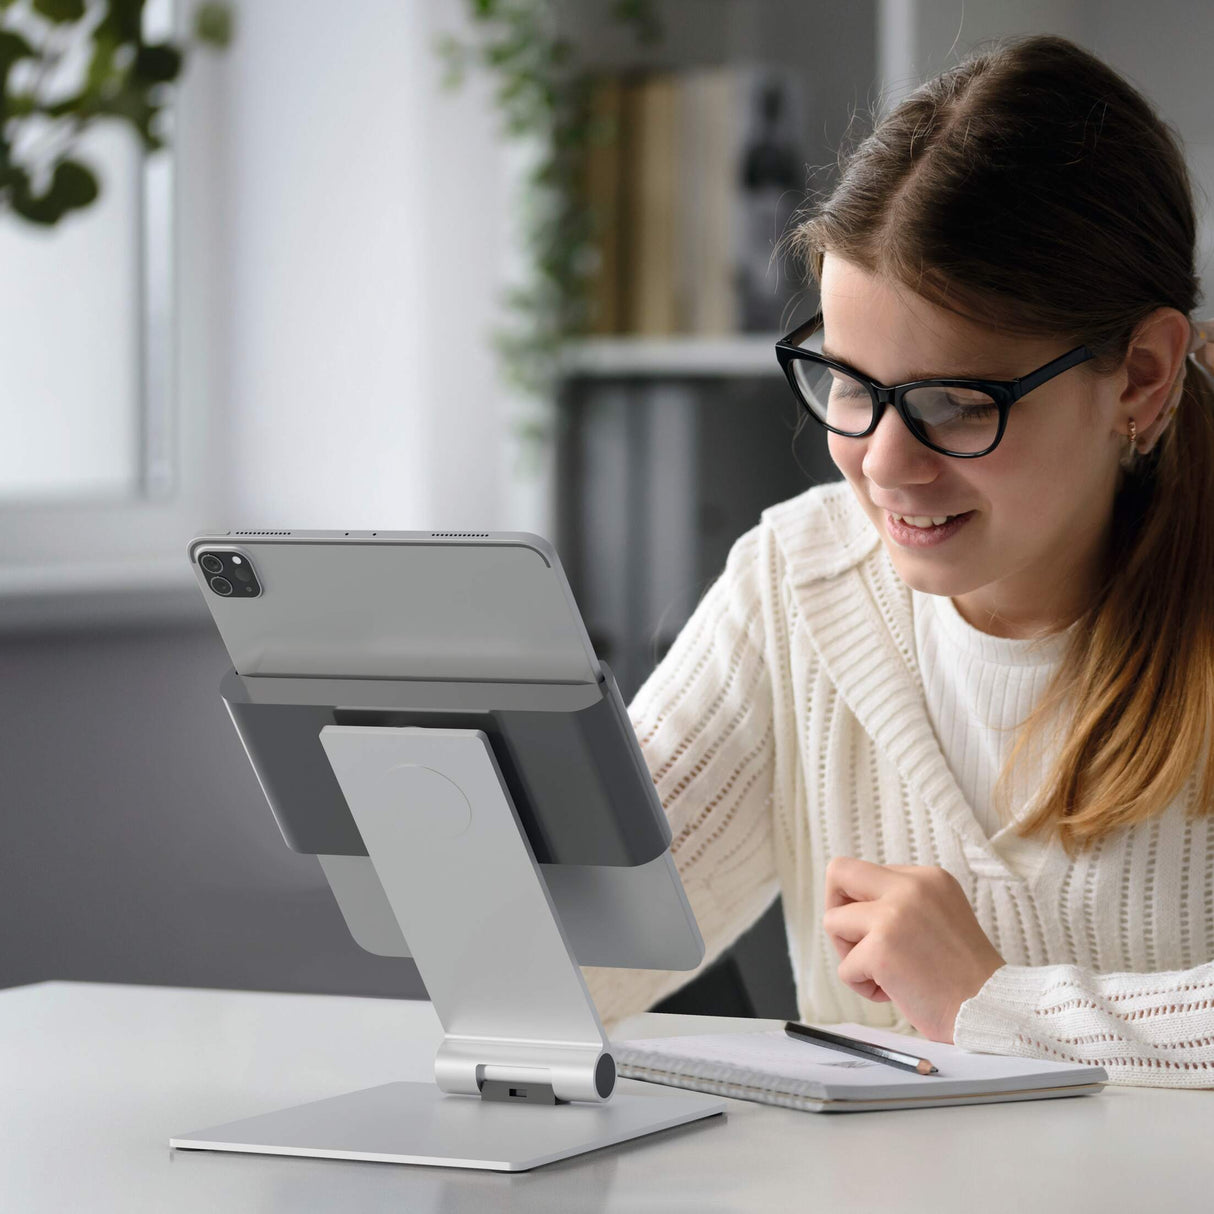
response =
{"points": [[789, 723], [979, 688]]}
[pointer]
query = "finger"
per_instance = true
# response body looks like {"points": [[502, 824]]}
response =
{"points": [[848, 924], [868, 989], [855, 972], [849, 879], [921, 872], [852, 921]]}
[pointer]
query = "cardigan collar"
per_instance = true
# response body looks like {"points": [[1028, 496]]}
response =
{"points": [[822, 532], [858, 613]]}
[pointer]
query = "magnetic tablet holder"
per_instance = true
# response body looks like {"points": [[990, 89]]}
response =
{"points": [[519, 1027]]}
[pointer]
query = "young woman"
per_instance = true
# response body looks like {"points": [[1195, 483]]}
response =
{"points": [[957, 708]]}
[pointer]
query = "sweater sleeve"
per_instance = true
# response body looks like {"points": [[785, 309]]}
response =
{"points": [[704, 721], [1146, 1030]]}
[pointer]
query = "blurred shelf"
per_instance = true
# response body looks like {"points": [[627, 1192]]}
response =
{"points": [[743, 354]]}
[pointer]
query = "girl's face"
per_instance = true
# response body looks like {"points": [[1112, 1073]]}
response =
{"points": [[1039, 506]]}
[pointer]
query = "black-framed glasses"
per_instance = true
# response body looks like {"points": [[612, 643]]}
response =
{"points": [[964, 418]]}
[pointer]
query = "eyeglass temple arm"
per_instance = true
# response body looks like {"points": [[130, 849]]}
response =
{"points": [[1063, 363], [801, 331]]}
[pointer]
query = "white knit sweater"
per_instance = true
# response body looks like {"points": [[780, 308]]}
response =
{"points": [[789, 724], [979, 689]]}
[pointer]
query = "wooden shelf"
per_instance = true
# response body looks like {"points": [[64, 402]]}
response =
{"points": [[744, 354]]}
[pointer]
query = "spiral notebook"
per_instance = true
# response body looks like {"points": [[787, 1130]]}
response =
{"points": [[772, 1068]]}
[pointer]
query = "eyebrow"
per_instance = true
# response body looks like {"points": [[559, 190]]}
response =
{"points": [[911, 376]]}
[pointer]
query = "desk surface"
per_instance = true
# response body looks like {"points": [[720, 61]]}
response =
{"points": [[95, 1078]]}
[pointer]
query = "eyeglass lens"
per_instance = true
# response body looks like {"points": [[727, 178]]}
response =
{"points": [[961, 420]]}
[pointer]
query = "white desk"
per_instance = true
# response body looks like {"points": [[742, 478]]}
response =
{"points": [[95, 1078]]}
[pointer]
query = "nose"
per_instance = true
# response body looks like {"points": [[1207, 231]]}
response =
{"points": [[893, 456]]}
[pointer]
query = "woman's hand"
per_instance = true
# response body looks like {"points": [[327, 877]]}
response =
{"points": [[906, 934]]}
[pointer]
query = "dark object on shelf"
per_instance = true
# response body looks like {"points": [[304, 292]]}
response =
{"points": [[772, 183]]}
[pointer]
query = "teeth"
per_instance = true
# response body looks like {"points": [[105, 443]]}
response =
{"points": [[924, 520]]}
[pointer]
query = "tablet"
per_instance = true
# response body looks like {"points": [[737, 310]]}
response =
{"points": [[394, 605], [446, 630]]}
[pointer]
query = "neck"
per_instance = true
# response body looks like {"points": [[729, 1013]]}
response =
{"points": [[1040, 601]]}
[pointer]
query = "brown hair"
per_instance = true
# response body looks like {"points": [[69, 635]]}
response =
{"points": [[1033, 188]]}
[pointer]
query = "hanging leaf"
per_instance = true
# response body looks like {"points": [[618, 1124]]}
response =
{"points": [[60, 11], [101, 69], [12, 48], [18, 105], [157, 64], [72, 186], [132, 103], [213, 24], [124, 19], [124, 79], [541, 93]]}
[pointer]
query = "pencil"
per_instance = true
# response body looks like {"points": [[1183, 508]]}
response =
{"points": [[864, 1049]]}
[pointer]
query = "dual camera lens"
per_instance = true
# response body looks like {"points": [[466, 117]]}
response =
{"points": [[229, 574]]}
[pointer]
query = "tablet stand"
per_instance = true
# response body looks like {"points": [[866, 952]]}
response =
{"points": [[519, 1025]]}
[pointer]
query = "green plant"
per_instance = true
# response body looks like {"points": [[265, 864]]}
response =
{"points": [[543, 92], [66, 65]]}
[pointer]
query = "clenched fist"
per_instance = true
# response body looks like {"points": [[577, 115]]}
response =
{"points": [[907, 934]]}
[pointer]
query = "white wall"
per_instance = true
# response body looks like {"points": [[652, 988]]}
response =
{"points": [[919, 38], [362, 245], [1163, 48]]}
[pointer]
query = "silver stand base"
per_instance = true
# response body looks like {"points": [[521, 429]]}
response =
{"points": [[418, 1123]]}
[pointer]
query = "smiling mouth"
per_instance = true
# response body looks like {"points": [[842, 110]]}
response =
{"points": [[924, 520]]}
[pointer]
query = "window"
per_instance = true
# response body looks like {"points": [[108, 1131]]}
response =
{"points": [[85, 334], [109, 380]]}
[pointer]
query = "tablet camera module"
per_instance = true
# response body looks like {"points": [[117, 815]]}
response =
{"points": [[230, 574]]}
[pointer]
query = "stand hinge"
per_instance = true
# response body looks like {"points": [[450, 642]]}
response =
{"points": [[515, 1091]]}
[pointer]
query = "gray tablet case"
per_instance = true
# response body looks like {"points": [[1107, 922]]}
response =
{"points": [[547, 740], [402, 605]]}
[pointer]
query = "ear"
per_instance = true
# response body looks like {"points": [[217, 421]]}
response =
{"points": [[1154, 370]]}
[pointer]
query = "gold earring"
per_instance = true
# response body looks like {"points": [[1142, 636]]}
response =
{"points": [[1133, 434]]}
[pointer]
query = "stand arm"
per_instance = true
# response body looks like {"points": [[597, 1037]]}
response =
{"points": [[443, 835]]}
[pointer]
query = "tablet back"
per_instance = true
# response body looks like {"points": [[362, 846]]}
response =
{"points": [[400, 605]]}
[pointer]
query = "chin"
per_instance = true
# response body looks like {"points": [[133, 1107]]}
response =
{"points": [[919, 575]]}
